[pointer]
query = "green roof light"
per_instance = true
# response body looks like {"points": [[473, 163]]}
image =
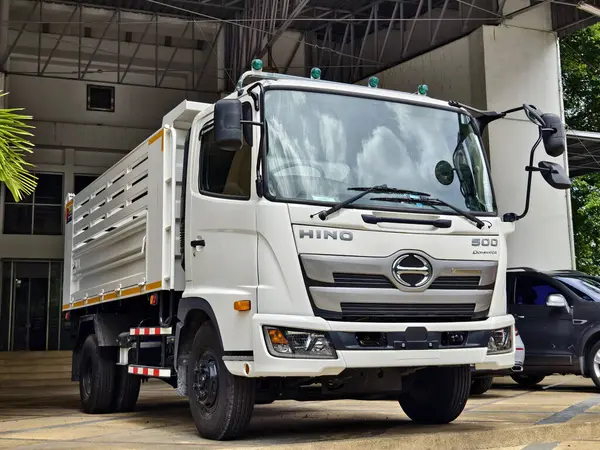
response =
{"points": [[373, 82], [257, 64], [422, 89], [315, 73]]}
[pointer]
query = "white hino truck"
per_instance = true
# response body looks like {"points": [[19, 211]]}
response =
{"points": [[299, 239]]}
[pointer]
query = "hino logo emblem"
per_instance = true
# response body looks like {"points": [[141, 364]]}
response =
{"points": [[412, 270], [326, 234]]}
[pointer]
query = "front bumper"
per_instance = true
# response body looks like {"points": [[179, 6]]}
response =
{"points": [[263, 364]]}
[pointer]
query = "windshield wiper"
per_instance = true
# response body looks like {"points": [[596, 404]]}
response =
{"points": [[380, 189], [434, 201]]}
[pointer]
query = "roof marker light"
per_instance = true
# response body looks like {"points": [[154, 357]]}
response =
{"points": [[422, 89], [315, 73], [257, 65], [373, 82]]}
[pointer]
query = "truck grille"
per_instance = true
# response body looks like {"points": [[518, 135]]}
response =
{"points": [[406, 312], [376, 281]]}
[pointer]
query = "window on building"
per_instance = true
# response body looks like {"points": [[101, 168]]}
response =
{"points": [[224, 172], [39, 213], [100, 98], [80, 182]]}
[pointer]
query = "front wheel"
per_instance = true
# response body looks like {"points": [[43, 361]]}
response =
{"points": [[438, 395], [221, 403], [527, 381], [481, 385]]}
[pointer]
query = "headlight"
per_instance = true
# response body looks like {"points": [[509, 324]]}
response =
{"points": [[500, 341], [286, 343]]}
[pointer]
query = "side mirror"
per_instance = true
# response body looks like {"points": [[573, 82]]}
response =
{"points": [[556, 301], [228, 124], [554, 141], [444, 173], [554, 174]]}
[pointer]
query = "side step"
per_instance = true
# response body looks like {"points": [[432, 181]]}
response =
{"points": [[157, 372]]}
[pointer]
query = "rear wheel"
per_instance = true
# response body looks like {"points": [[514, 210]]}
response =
{"points": [[527, 381], [96, 377], [127, 390], [481, 385], [438, 395], [221, 403]]}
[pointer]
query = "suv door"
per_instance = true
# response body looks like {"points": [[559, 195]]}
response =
{"points": [[546, 331]]}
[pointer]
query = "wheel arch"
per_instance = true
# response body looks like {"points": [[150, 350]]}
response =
{"points": [[192, 313], [589, 339], [106, 327]]}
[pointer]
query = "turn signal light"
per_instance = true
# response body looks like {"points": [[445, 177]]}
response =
{"points": [[242, 305], [277, 337]]}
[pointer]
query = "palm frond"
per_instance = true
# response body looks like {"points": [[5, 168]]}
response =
{"points": [[14, 145]]}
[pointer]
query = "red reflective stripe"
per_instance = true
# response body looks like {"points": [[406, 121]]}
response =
{"points": [[157, 331], [156, 372], [145, 371]]}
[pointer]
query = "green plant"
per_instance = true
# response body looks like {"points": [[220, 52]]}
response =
{"points": [[14, 145]]}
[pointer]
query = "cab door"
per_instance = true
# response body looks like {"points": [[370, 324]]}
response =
{"points": [[220, 231]]}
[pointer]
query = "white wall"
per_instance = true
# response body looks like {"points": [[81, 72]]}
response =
{"points": [[62, 119], [452, 72]]}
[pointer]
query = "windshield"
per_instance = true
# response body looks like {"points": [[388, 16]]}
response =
{"points": [[321, 144], [587, 288]]}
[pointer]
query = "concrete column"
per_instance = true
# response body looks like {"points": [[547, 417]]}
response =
{"points": [[4, 15], [221, 73], [521, 65]]}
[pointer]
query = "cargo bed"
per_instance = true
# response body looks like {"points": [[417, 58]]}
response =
{"points": [[122, 231]]}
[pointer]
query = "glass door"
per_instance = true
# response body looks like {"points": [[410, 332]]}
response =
{"points": [[30, 306]]}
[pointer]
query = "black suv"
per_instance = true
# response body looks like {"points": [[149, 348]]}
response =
{"points": [[557, 314]]}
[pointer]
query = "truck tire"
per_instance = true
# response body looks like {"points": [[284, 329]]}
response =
{"points": [[127, 390], [438, 395], [527, 381], [221, 403], [481, 385], [97, 377]]}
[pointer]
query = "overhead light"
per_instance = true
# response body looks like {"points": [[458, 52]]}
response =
{"points": [[589, 8]]}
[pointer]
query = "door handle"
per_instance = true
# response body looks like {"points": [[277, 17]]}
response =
{"points": [[518, 317], [198, 243]]}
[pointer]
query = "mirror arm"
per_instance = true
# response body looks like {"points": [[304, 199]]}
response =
{"points": [[513, 217]]}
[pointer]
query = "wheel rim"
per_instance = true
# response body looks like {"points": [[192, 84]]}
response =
{"points": [[206, 381], [87, 379], [597, 364]]}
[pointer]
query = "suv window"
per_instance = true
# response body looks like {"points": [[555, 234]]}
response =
{"points": [[533, 291], [223, 172], [586, 288]]}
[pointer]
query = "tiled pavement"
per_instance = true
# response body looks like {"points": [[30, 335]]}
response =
{"points": [[564, 413]]}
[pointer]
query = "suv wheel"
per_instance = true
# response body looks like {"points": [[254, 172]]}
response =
{"points": [[527, 381], [593, 363]]}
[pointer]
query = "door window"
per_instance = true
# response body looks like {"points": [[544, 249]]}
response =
{"points": [[224, 173], [533, 291]]}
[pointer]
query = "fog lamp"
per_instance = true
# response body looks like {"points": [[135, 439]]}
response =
{"points": [[500, 341], [306, 344]]}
